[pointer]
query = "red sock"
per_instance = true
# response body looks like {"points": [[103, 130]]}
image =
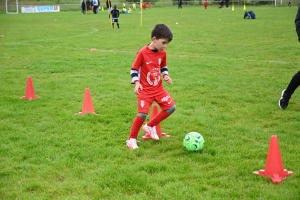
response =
{"points": [[136, 126], [158, 118]]}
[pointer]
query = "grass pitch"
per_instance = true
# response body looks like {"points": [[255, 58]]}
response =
{"points": [[228, 74]]}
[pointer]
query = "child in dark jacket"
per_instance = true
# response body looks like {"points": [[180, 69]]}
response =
{"points": [[83, 7]]}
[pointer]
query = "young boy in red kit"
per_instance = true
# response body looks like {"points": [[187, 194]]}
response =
{"points": [[147, 71]]}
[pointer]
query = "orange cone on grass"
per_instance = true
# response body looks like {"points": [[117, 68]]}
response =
{"points": [[274, 166], [87, 106], [158, 128], [29, 93]]}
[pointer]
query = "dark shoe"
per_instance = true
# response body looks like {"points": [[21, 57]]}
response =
{"points": [[284, 100]]}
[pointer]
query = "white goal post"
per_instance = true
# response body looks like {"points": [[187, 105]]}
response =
{"points": [[12, 6]]}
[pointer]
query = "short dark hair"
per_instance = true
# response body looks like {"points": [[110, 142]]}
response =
{"points": [[162, 31]]}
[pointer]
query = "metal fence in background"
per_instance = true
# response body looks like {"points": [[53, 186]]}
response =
{"points": [[76, 7]]}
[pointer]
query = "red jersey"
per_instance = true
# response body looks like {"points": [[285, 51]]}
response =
{"points": [[148, 68]]}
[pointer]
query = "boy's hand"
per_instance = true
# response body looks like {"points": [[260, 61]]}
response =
{"points": [[137, 87], [168, 79]]}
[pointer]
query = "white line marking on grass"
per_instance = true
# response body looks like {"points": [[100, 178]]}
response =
{"points": [[35, 43], [234, 59], [74, 36]]}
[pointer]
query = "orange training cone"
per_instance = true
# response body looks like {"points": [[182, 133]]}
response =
{"points": [[274, 167], [87, 103], [29, 94], [158, 129]]}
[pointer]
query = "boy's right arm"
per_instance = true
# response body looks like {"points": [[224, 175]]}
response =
{"points": [[138, 61], [135, 78]]}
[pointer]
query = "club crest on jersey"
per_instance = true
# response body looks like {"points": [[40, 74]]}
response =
{"points": [[159, 61], [142, 103], [153, 78]]}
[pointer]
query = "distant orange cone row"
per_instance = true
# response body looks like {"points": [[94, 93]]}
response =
{"points": [[158, 128], [274, 166], [87, 103], [29, 93]]}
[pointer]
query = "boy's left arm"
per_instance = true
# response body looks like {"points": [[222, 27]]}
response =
{"points": [[164, 70], [168, 79]]}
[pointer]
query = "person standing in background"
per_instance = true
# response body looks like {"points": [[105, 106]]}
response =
{"points": [[82, 7], [205, 4], [108, 4], [88, 6], [115, 17], [134, 6], [221, 4], [179, 4], [95, 6], [150, 5]]}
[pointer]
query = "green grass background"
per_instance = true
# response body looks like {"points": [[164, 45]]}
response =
{"points": [[228, 74]]}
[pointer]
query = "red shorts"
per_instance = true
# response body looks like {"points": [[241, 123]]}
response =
{"points": [[88, 8], [163, 99]]}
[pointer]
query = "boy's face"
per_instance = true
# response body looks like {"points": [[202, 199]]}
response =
{"points": [[160, 44]]}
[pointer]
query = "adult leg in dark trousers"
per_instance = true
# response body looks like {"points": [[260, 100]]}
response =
{"points": [[289, 91], [295, 81]]}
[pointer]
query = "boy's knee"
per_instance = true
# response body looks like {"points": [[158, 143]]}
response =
{"points": [[171, 110], [142, 115]]}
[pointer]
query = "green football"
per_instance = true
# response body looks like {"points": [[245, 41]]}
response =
{"points": [[193, 141]]}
